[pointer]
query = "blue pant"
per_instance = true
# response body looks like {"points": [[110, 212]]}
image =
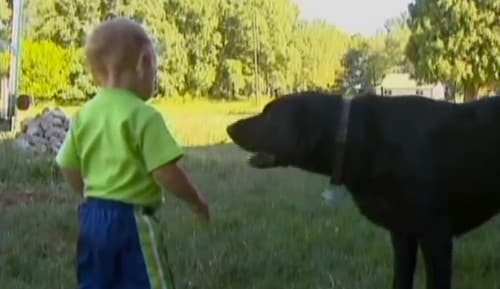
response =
{"points": [[120, 247]]}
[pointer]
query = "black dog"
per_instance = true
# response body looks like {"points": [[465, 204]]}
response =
{"points": [[425, 170]]}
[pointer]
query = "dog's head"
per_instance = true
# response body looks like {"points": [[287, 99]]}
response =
{"points": [[286, 132]]}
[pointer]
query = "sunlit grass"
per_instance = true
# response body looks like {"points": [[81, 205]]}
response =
{"points": [[194, 122]]}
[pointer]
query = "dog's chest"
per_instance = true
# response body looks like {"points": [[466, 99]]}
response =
{"points": [[379, 210], [390, 209]]}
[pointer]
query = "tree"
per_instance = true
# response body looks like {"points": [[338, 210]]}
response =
{"points": [[322, 47], [231, 79], [67, 22], [396, 41], [456, 41], [378, 61], [276, 22], [354, 79], [237, 46], [5, 16], [366, 64], [198, 22], [222, 48], [64, 22], [4, 63], [42, 76]]}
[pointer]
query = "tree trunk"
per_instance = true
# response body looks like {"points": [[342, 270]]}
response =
{"points": [[470, 92]]}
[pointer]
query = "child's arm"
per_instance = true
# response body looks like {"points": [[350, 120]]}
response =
{"points": [[173, 179], [160, 154], [68, 160], [74, 178]]}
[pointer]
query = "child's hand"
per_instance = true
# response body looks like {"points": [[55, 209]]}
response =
{"points": [[173, 179]]}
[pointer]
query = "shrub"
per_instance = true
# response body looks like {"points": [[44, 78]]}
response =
{"points": [[46, 69]]}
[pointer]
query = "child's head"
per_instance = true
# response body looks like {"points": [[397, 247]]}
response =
{"points": [[121, 55]]}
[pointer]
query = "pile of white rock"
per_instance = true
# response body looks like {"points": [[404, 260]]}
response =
{"points": [[44, 133]]}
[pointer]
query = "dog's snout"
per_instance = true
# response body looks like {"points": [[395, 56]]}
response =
{"points": [[230, 129]]}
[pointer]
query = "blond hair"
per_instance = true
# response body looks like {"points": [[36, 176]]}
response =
{"points": [[115, 46]]}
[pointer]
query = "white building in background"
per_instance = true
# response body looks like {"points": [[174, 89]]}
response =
{"points": [[395, 84]]}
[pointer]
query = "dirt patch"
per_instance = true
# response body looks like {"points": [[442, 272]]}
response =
{"points": [[15, 198]]}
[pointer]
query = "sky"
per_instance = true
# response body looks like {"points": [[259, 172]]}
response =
{"points": [[353, 16]]}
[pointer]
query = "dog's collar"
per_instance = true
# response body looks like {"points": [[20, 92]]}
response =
{"points": [[340, 142]]}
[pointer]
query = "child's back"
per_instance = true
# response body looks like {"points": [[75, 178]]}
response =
{"points": [[121, 140], [119, 153]]}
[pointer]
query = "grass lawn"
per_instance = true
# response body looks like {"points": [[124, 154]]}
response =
{"points": [[270, 230]]}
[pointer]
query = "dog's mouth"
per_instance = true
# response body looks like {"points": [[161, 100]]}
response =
{"points": [[257, 159], [262, 160]]}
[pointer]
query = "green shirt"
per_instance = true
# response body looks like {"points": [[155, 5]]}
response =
{"points": [[116, 140]]}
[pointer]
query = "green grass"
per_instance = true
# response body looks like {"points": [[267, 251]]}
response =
{"points": [[271, 229]]}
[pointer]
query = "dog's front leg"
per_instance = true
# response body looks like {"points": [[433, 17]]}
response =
{"points": [[437, 251], [405, 257]]}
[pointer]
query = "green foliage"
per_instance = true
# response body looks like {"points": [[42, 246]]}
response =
{"points": [[45, 70], [398, 35], [365, 66], [197, 21], [207, 48], [68, 22], [456, 41], [4, 63], [5, 12], [261, 31], [81, 82], [368, 60], [235, 28], [322, 48], [231, 48], [355, 78], [5, 16], [173, 64], [64, 22], [231, 80], [275, 21]]}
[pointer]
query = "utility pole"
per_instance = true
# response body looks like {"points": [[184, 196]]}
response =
{"points": [[255, 54], [15, 60]]}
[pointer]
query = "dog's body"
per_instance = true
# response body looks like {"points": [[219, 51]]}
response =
{"points": [[424, 170]]}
